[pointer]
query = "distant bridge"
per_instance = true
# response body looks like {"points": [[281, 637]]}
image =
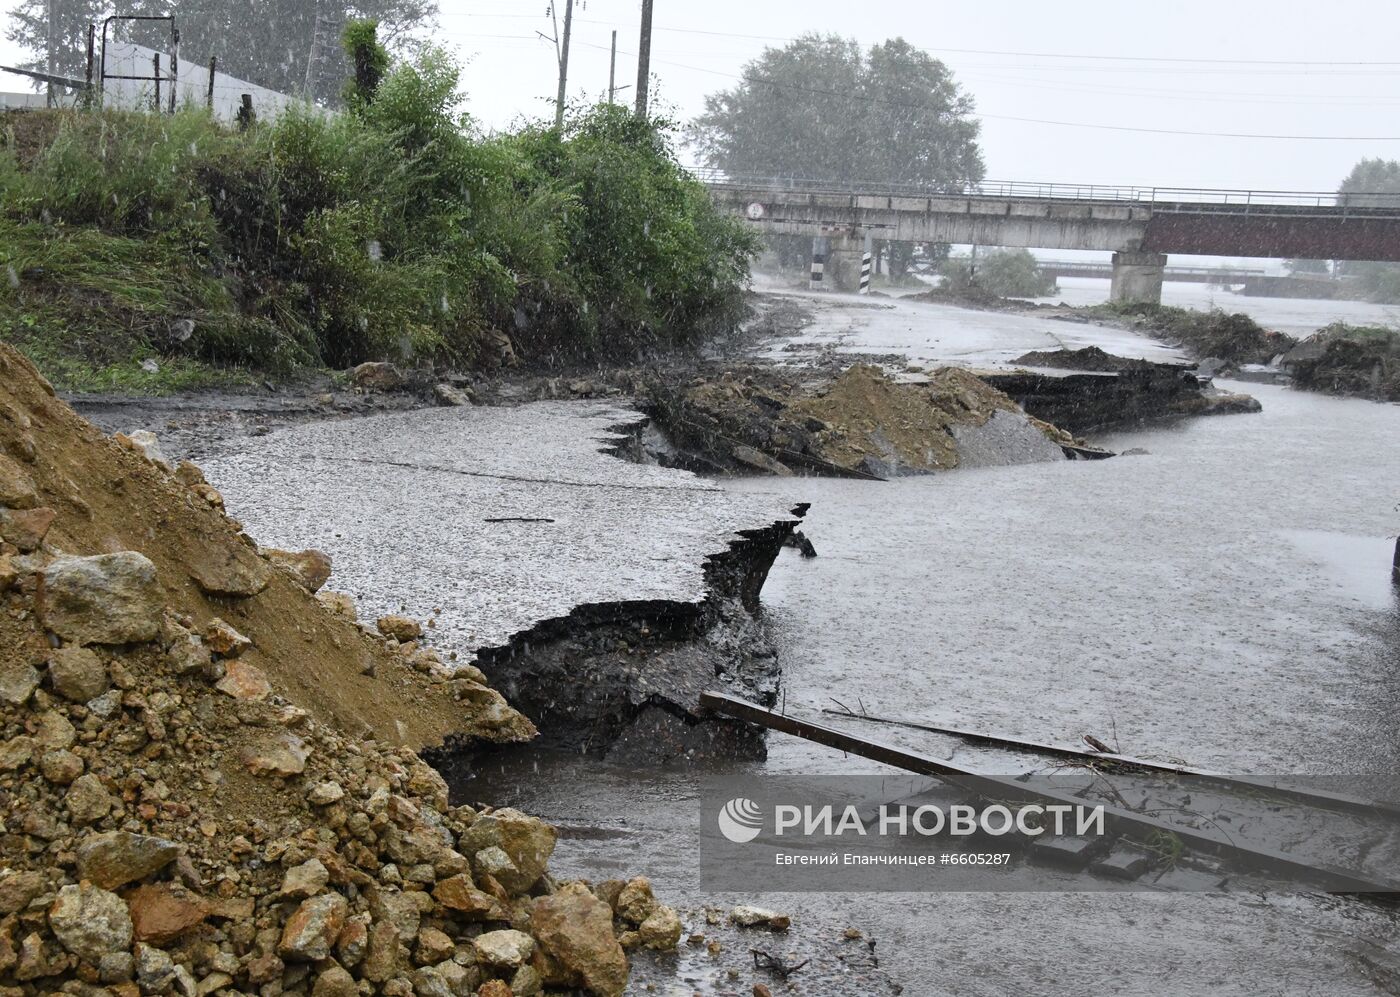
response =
{"points": [[1184, 275], [1139, 225]]}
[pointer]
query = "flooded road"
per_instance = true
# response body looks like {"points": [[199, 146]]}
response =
{"points": [[1298, 317], [1223, 599]]}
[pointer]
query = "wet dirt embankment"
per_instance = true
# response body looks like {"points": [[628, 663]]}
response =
{"points": [[209, 774]]}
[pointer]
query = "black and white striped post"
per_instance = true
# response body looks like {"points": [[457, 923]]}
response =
{"points": [[865, 261], [818, 262]]}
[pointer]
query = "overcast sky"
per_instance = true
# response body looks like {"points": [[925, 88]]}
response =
{"points": [[1292, 70]]}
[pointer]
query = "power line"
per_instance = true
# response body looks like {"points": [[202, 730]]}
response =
{"points": [[1023, 120], [1088, 57]]}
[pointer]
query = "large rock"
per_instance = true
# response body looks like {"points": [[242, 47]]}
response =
{"points": [[222, 639], [504, 949], [16, 486], [18, 680], [244, 681], [459, 893], [25, 528], [402, 910], [377, 376], [661, 930], [576, 929], [115, 858], [384, 953], [312, 929], [53, 731], [232, 572], [528, 841], [400, 628], [88, 800], [60, 767], [334, 982], [90, 922], [746, 916], [283, 755], [145, 443], [446, 394], [161, 913], [155, 971], [635, 901], [311, 568], [18, 888], [305, 880], [340, 604], [104, 599], [16, 752], [433, 946], [9, 572], [78, 674]]}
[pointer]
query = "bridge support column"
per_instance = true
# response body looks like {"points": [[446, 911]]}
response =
{"points": [[844, 258], [1137, 276]]}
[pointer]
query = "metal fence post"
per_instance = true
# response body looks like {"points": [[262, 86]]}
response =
{"points": [[246, 115], [174, 66], [209, 97], [155, 103], [91, 46]]}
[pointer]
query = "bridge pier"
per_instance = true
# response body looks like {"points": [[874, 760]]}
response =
{"points": [[1137, 276], [844, 257]]}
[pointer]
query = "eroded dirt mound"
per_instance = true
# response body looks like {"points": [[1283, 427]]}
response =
{"points": [[1345, 360], [106, 497], [861, 423], [180, 813], [1089, 358]]}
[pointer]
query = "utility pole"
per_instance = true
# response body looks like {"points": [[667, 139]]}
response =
{"points": [[644, 61], [612, 69], [321, 26], [51, 48], [563, 52]]}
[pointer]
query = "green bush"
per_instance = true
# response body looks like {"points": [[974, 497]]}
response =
{"points": [[652, 263], [1007, 273], [396, 231]]}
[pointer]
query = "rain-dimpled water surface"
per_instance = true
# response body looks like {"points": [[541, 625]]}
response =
{"points": [[1223, 599]]}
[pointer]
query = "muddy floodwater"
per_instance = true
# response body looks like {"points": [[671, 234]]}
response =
{"points": [[1223, 599]]}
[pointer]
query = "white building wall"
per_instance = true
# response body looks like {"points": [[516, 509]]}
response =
{"points": [[126, 59]]}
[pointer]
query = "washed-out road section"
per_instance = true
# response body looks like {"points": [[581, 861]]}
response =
{"points": [[403, 503]]}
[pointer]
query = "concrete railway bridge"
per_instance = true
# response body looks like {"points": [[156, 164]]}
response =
{"points": [[1139, 225]]}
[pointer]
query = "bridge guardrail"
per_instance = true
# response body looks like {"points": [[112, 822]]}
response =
{"points": [[1221, 197]]}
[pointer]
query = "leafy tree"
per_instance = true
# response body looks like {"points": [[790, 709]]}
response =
{"points": [[1295, 267], [823, 108], [29, 26], [1008, 273], [1371, 176], [370, 59], [1376, 281], [268, 42]]}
